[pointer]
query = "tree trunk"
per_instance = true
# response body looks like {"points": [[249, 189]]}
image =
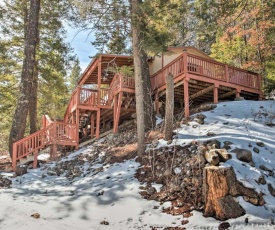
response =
{"points": [[33, 102], [21, 111], [169, 108], [219, 187], [144, 105]]}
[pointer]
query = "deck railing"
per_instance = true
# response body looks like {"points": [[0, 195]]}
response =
{"points": [[192, 64], [87, 97], [175, 68], [207, 68], [127, 82], [105, 98], [115, 84], [245, 78], [61, 131]]}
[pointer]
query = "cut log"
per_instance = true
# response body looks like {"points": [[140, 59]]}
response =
{"points": [[219, 187]]}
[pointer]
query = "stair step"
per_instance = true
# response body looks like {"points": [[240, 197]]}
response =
{"points": [[25, 160]]}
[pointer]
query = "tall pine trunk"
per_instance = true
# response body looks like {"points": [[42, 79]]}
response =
{"points": [[21, 111], [169, 107], [33, 101], [144, 105]]}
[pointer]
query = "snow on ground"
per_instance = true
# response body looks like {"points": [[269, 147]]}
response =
{"points": [[111, 192]]}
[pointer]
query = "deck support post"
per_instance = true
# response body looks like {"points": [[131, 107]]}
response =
{"points": [[99, 82], [35, 155], [92, 125], [53, 151], [77, 127], [186, 98], [216, 94], [97, 124], [14, 156], [117, 116], [238, 92], [115, 113], [157, 103]]}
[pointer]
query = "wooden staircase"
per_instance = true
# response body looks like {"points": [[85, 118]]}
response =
{"points": [[52, 133]]}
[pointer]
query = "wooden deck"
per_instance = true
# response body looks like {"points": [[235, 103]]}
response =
{"points": [[89, 111]]}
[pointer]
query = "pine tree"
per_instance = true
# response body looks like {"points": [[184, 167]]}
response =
{"points": [[75, 74], [52, 56], [21, 111]]}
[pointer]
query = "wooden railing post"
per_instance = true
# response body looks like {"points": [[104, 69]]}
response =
{"points": [[226, 73], [98, 96], [14, 157], [121, 81], [35, 159], [78, 96], [185, 64], [77, 126], [186, 98]]}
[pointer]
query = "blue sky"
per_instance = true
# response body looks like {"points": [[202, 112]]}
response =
{"points": [[81, 43]]}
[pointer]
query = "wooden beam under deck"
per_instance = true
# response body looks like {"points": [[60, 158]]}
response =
{"points": [[209, 88]]}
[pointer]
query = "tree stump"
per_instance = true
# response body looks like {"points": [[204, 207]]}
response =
{"points": [[219, 187]]}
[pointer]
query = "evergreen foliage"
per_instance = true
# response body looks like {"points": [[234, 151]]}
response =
{"points": [[53, 57]]}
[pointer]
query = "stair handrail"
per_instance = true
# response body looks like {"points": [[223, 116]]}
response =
{"points": [[52, 134], [30, 144], [71, 104], [115, 84]]}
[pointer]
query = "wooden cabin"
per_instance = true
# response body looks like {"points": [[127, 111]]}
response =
{"points": [[104, 96]]}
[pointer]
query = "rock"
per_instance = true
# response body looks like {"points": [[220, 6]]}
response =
{"points": [[263, 167], [211, 134], [223, 155], [253, 200], [261, 180], [21, 170], [4, 182], [271, 190], [199, 118], [35, 215], [51, 173], [252, 164], [100, 193], [239, 99], [104, 222], [224, 225], [183, 222], [256, 150], [227, 147], [43, 175], [227, 143], [169, 142], [174, 188], [212, 157], [167, 172], [213, 142], [155, 143], [151, 191], [261, 144], [243, 155]]}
